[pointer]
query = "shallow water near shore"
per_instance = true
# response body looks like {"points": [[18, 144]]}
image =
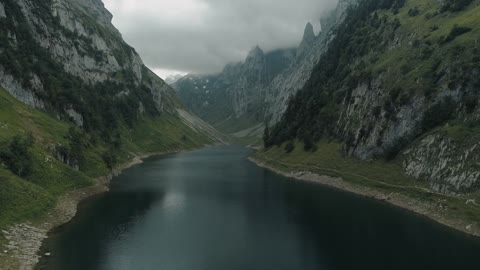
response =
{"points": [[213, 209]]}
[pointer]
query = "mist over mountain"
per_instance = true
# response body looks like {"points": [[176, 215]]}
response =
{"points": [[202, 36]]}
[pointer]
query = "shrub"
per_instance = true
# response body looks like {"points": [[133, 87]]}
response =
{"points": [[309, 144], [455, 5], [413, 12], [455, 32], [289, 147], [16, 155]]}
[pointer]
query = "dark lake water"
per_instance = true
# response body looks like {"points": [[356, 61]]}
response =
{"points": [[212, 209]]}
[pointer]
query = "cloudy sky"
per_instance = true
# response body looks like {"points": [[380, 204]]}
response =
{"points": [[201, 36]]}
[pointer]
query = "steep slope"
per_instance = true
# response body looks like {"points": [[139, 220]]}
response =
{"points": [[234, 99], [290, 81], [399, 81], [76, 102]]}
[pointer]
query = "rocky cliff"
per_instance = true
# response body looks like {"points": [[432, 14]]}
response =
{"points": [[398, 81], [310, 50], [76, 41]]}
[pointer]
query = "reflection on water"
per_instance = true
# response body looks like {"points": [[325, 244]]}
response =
{"points": [[214, 210]]}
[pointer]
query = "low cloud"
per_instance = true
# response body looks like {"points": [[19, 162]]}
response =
{"points": [[201, 36]]}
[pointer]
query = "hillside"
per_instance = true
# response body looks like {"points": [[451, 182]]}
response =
{"points": [[76, 102], [399, 82]]}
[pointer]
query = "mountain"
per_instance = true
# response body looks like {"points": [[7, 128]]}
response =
{"points": [[398, 81], [172, 79], [233, 99], [76, 102], [240, 104]]}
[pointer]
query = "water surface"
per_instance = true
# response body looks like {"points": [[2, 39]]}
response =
{"points": [[212, 209]]}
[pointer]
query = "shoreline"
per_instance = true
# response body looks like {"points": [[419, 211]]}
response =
{"points": [[26, 239], [396, 199]]}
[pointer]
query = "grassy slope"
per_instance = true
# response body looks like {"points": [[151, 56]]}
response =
{"points": [[421, 28], [29, 199], [387, 177]]}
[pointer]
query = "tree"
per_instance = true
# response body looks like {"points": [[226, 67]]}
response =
{"points": [[289, 147], [16, 155], [309, 144], [266, 136]]}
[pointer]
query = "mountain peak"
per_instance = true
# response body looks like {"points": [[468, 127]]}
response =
{"points": [[309, 34], [256, 51], [307, 41], [255, 55]]}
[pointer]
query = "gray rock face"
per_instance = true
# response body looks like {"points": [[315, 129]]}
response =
{"points": [[369, 133], [2, 11], [448, 166], [88, 46], [92, 56], [287, 84], [76, 117], [307, 42], [15, 89]]}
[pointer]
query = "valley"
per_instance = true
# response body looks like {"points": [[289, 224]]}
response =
{"points": [[382, 101]]}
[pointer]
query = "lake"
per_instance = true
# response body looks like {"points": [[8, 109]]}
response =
{"points": [[212, 209]]}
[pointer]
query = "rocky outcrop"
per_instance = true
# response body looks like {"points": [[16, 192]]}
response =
{"points": [[307, 42], [2, 11], [367, 125], [92, 56], [75, 38], [76, 117], [448, 166], [25, 95]]}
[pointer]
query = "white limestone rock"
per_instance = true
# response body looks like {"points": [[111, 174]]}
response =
{"points": [[76, 117]]}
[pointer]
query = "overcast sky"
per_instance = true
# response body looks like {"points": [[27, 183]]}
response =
{"points": [[201, 36]]}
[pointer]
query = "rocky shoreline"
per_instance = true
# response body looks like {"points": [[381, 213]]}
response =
{"points": [[25, 240], [400, 200]]}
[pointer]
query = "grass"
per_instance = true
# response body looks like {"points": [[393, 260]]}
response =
{"points": [[30, 198], [26, 199], [419, 28], [387, 177]]}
